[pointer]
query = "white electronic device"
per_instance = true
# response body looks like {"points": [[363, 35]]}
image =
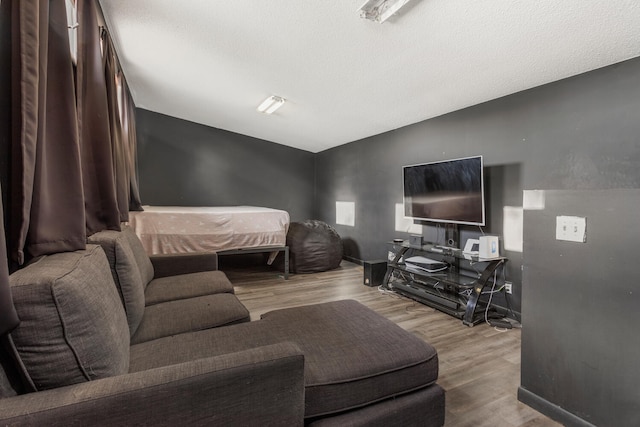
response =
{"points": [[472, 247], [425, 264], [489, 247]]}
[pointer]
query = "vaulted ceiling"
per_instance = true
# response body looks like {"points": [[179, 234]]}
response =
{"points": [[346, 78]]}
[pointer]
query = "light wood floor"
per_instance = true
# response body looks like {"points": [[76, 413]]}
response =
{"points": [[479, 366]]}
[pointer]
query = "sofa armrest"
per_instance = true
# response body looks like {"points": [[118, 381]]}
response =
{"points": [[173, 264], [261, 386]]}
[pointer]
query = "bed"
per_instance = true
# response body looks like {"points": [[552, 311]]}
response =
{"points": [[220, 229]]}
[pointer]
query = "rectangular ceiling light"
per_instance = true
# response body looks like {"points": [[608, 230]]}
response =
{"points": [[270, 104], [380, 10]]}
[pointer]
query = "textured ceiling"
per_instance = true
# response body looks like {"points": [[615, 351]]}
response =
{"points": [[346, 78]]}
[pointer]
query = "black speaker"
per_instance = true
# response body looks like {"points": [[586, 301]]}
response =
{"points": [[374, 272]]}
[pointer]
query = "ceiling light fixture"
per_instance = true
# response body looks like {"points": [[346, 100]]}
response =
{"points": [[271, 104], [380, 10]]}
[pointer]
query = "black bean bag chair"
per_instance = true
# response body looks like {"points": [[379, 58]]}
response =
{"points": [[314, 246]]}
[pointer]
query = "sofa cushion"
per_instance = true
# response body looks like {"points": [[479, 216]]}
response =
{"points": [[353, 356], [181, 348], [73, 327], [126, 273], [187, 286], [187, 315], [142, 258]]}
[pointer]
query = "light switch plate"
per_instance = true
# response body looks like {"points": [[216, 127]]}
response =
{"points": [[571, 228]]}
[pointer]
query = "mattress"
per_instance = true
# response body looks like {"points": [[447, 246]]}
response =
{"points": [[177, 229]]}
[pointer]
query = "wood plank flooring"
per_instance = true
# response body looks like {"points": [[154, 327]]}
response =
{"points": [[479, 366]]}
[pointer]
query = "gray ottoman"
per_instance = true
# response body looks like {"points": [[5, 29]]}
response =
{"points": [[355, 358]]}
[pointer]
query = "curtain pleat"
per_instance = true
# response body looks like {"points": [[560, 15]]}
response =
{"points": [[25, 58], [130, 145], [135, 203], [47, 199], [123, 132], [118, 132], [101, 204], [8, 316]]}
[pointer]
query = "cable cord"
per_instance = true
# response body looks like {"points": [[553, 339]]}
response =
{"points": [[507, 298], [486, 310], [493, 287], [389, 292], [497, 291]]}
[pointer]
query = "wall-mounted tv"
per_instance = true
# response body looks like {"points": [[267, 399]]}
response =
{"points": [[450, 191]]}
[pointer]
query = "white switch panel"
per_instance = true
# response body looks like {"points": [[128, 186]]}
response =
{"points": [[571, 228]]}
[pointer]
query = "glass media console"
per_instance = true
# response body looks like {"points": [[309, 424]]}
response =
{"points": [[444, 278]]}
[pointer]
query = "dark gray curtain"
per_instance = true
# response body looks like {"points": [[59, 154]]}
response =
{"points": [[98, 170], [8, 315], [61, 181], [46, 196], [68, 167]]}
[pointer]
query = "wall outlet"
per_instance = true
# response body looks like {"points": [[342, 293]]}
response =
{"points": [[508, 287]]}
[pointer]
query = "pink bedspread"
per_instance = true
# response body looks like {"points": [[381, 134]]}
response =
{"points": [[176, 229]]}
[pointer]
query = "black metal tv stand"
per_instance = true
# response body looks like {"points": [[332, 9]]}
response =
{"points": [[457, 291]]}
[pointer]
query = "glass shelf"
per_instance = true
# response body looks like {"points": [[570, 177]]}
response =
{"points": [[455, 291]]}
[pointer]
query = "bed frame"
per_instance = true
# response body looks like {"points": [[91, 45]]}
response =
{"points": [[264, 249], [226, 230]]}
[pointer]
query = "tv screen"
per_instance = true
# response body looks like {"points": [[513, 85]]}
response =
{"points": [[449, 191]]}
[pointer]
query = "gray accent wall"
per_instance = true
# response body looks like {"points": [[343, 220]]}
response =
{"points": [[580, 345], [181, 163], [578, 139], [369, 173]]}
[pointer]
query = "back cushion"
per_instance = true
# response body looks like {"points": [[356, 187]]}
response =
{"points": [[141, 256], [126, 273], [73, 327]]}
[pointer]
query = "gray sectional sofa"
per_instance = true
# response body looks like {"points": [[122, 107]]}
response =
{"points": [[104, 340], [172, 303]]}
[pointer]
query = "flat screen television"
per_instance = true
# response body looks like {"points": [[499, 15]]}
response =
{"points": [[450, 191]]}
